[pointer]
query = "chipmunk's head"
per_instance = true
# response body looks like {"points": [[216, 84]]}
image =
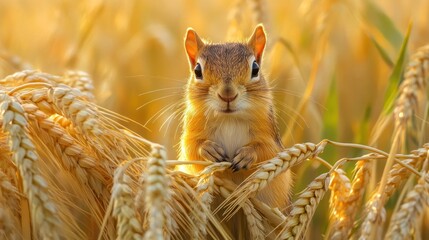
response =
{"points": [[226, 77]]}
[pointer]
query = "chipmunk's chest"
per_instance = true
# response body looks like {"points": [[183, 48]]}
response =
{"points": [[232, 134]]}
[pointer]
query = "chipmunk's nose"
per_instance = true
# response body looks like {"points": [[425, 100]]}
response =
{"points": [[227, 98], [227, 94]]}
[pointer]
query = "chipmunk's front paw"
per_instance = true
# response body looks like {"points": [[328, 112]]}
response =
{"points": [[212, 151], [244, 157]]}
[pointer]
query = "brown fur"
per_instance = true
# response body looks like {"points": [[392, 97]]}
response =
{"points": [[226, 72]]}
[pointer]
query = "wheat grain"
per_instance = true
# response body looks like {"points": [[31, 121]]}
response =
{"points": [[43, 209], [40, 98], [128, 224], [295, 225], [404, 222]]}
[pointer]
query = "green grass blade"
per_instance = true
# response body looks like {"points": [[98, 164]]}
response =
{"points": [[376, 17], [396, 76]]}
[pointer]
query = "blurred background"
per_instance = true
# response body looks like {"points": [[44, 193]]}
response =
{"points": [[329, 61]]}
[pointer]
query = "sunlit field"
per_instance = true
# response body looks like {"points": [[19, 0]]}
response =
{"points": [[92, 97]]}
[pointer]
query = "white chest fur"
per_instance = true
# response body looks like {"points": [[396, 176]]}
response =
{"points": [[232, 134]]}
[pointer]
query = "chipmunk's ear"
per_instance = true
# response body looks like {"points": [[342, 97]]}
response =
{"points": [[193, 45], [257, 42]]}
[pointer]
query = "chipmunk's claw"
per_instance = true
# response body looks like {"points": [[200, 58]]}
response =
{"points": [[212, 151], [244, 158]]}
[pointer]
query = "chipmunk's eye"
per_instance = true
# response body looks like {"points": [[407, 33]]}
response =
{"points": [[198, 72], [255, 69]]}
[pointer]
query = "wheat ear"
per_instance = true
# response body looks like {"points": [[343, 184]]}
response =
{"points": [[28, 76], [80, 80], [374, 209], [225, 187], [341, 226], [43, 209], [340, 188], [375, 215], [295, 225], [414, 83], [270, 169], [157, 194], [89, 123], [128, 225], [204, 191], [69, 103], [404, 221], [84, 167]]}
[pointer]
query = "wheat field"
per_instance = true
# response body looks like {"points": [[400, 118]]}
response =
{"points": [[91, 96]]}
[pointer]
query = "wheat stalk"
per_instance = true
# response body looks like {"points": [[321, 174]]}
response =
{"points": [[270, 169], [295, 225], [43, 209]]}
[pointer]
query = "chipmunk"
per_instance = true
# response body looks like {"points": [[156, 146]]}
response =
{"points": [[229, 113]]}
